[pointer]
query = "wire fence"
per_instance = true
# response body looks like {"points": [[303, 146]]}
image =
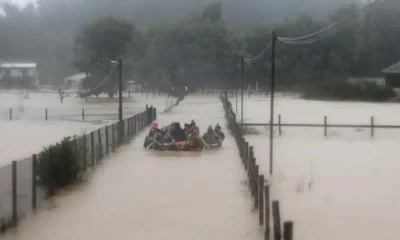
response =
{"points": [[259, 187], [44, 107], [325, 125], [22, 187]]}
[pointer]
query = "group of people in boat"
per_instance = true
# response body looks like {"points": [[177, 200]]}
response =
{"points": [[187, 138]]}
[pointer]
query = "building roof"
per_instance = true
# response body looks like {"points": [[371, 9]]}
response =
{"points": [[76, 77], [17, 65], [395, 68]]}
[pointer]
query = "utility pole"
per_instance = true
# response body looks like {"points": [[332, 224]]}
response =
{"points": [[271, 121], [242, 83], [121, 121]]}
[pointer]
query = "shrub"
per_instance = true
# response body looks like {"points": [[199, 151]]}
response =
{"points": [[62, 163]]}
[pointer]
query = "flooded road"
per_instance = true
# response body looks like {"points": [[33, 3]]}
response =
{"points": [[138, 194], [343, 186]]}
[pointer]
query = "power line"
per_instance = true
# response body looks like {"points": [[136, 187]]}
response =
{"points": [[319, 35], [325, 32], [259, 56], [105, 79]]}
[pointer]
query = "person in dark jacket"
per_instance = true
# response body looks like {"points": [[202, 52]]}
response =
{"points": [[163, 136], [149, 139], [211, 137], [177, 133], [219, 132]]}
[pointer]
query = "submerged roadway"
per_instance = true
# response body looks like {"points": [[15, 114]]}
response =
{"points": [[139, 194]]}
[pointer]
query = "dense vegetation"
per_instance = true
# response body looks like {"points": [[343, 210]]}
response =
{"points": [[197, 49], [345, 90]]}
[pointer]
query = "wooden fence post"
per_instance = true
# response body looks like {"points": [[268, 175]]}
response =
{"points": [[261, 199], [92, 147], [113, 136], [100, 144], [250, 157], [255, 184], [107, 141], [134, 125], [246, 154], [128, 122], [84, 152], [372, 126], [34, 170], [267, 213], [131, 123], [279, 125], [11, 116], [83, 114], [45, 114], [276, 219], [325, 126], [14, 192], [288, 230]]}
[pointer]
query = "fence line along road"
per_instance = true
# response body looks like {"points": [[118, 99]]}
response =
{"points": [[259, 188], [26, 183], [325, 125]]}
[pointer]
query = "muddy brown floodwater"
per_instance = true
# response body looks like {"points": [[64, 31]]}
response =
{"points": [[137, 194], [343, 186]]}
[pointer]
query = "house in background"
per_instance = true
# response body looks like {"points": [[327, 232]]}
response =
{"points": [[18, 75], [392, 76], [74, 82], [133, 86]]}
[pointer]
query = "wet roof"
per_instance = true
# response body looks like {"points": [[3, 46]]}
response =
{"points": [[17, 65], [76, 77], [395, 68]]}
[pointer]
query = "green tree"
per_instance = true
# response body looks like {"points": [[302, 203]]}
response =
{"points": [[106, 38]]}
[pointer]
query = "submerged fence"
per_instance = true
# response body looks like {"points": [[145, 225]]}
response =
{"points": [[24, 184], [46, 106], [325, 125], [259, 188]]}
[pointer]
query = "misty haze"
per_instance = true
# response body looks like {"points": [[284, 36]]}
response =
{"points": [[188, 119]]}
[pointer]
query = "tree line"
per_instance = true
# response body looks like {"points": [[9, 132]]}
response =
{"points": [[201, 49]]}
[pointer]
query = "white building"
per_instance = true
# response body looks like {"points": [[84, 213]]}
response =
{"points": [[17, 74], [74, 82]]}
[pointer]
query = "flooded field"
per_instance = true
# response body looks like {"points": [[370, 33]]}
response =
{"points": [[343, 186], [29, 132], [139, 194]]}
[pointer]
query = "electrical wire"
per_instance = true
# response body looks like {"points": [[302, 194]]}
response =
{"points": [[325, 32], [105, 79], [319, 35]]}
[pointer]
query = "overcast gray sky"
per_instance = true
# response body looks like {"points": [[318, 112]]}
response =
{"points": [[24, 2]]}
